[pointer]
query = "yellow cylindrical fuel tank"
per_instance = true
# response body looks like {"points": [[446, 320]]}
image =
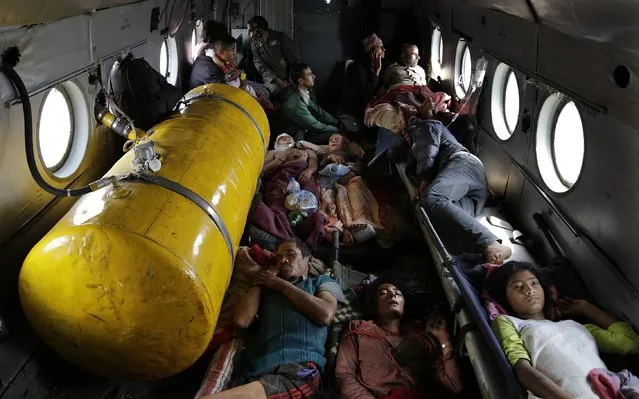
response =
{"points": [[130, 282]]}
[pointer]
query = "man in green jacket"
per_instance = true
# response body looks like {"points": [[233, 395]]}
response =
{"points": [[273, 53], [301, 113]]}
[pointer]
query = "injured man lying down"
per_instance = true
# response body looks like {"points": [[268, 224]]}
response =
{"points": [[340, 202]]}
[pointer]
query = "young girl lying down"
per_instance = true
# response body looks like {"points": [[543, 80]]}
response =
{"points": [[552, 359]]}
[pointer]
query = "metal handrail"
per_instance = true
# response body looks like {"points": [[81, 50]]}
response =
{"points": [[473, 340], [439, 245]]}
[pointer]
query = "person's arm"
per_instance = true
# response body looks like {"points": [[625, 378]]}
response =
{"points": [[537, 383], [246, 309], [307, 174], [356, 150], [267, 73], [322, 115], [575, 307], [216, 75], [272, 161], [426, 149], [446, 370], [517, 355], [319, 308], [611, 335], [364, 81], [290, 50], [346, 368], [298, 113], [386, 78]]}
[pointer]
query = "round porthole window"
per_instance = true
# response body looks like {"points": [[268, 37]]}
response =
{"points": [[55, 134], [194, 44], [197, 32], [463, 69], [164, 59], [560, 143], [437, 52], [169, 60], [63, 129], [504, 102]]}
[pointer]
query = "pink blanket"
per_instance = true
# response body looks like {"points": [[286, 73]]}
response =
{"points": [[395, 109]]}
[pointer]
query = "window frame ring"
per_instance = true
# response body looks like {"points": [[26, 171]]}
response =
{"points": [[553, 154]]}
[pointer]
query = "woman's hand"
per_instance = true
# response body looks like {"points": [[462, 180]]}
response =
{"points": [[377, 56], [573, 307], [581, 307], [437, 326], [306, 176]]}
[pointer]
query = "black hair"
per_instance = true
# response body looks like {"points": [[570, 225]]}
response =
{"points": [[387, 279], [296, 71], [258, 22], [304, 249], [224, 44], [497, 283], [420, 300], [214, 31]]}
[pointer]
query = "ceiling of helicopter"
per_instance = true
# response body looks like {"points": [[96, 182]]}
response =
{"points": [[29, 12], [517, 8], [611, 23]]}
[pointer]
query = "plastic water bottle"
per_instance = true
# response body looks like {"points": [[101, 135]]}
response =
{"points": [[293, 186], [295, 218]]}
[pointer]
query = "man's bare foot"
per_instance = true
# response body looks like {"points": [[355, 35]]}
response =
{"points": [[497, 253]]}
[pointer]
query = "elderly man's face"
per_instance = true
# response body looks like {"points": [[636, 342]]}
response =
{"points": [[285, 140], [412, 56]]}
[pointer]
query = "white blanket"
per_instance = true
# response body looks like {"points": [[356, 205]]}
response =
{"points": [[564, 351]]}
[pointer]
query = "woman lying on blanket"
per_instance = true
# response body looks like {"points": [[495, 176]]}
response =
{"points": [[385, 358], [553, 359], [346, 202]]}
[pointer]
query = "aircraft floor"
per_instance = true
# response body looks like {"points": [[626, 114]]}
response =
{"points": [[30, 369]]}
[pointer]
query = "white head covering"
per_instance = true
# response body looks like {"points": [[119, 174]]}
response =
{"points": [[282, 147]]}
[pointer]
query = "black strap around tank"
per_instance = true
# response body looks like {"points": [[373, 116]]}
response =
{"points": [[234, 104], [191, 196]]}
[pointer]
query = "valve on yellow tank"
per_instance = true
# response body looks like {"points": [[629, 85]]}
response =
{"points": [[118, 124]]}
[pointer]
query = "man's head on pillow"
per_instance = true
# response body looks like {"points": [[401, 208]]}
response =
{"points": [[284, 141]]}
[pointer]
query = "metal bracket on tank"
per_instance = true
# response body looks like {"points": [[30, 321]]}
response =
{"points": [[117, 191]]}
